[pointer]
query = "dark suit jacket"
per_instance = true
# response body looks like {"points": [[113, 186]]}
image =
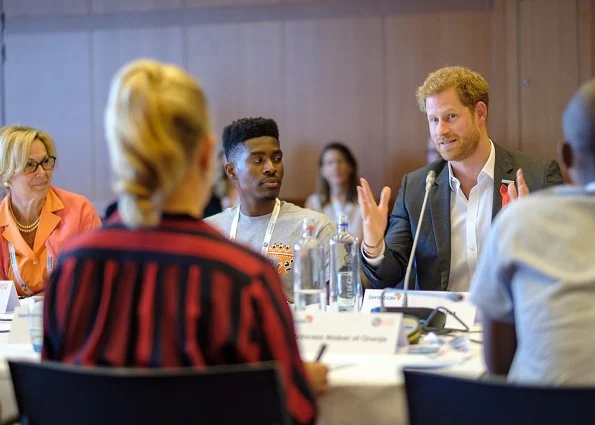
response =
{"points": [[432, 257]]}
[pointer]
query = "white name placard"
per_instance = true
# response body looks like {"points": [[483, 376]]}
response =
{"points": [[372, 299], [19, 331], [347, 333], [457, 302], [8, 296]]}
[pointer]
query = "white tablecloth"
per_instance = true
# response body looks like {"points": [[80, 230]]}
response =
{"points": [[8, 403], [366, 391], [371, 391]]}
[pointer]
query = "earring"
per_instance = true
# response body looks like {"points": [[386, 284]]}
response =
{"points": [[6, 184]]}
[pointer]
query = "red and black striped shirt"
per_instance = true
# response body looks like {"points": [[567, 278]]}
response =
{"points": [[176, 295]]}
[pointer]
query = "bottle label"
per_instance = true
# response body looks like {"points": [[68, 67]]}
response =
{"points": [[345, 289]]}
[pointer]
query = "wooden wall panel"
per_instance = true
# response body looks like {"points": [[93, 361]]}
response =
{"points": [[406, 68], [334, 90], [503, 120], [324, 69], [239, 67], [204, 3], [29, 8], [416, 45], [111, 6], [585, 40], [592, 52], [49, 88], [111, 50], [548, 70]]}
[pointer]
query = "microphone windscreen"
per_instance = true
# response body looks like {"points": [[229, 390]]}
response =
{"points": [[430, 177]]}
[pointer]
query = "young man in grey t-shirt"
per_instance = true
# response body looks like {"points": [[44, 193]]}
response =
{"points": [[261, 220]]}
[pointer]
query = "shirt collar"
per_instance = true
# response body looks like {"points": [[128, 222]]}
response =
{"points": [[52, 204], [487, 170]]}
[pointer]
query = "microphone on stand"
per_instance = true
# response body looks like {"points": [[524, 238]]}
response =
{"points": [[422, 313]]}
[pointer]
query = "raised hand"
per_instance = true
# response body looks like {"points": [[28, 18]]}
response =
{"points": [[374, 216], [523, 190]]}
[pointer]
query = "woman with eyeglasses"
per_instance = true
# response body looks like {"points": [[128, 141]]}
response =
{"points": [[35, 217]]}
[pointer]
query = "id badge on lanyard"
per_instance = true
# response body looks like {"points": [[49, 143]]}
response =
{"points": [[269, 233], [17, 274]]}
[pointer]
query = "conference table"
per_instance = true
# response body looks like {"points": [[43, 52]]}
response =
{"points": [[11, 351], [363, 390], [371, 390]]}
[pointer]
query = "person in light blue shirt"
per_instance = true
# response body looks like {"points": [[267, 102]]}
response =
{"points": [[535, 282]]}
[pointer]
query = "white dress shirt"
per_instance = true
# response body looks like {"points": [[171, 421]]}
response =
{"points": [[470, 221]]}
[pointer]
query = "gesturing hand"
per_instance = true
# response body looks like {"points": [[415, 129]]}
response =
{"points": [[522, 184], [374, 216]]}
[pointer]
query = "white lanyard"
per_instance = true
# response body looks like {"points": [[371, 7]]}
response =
{"points": [[270, 227], [15, 268]]}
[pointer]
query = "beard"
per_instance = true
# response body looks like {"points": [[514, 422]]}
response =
{"points": [[466, 145]]}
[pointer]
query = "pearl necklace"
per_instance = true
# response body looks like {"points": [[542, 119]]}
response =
{"points": [[22, 227]]}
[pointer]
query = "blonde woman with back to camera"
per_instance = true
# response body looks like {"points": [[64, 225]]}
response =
{"points": [[36, 218], [156, 266]]}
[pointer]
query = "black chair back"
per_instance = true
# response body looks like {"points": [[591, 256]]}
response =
{"points": [[437, 399], [58, 394]]}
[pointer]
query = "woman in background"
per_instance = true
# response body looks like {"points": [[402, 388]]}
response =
{"points": [[336, 193], [36, 218]]}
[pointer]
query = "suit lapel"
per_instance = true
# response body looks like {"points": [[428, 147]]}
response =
{"points": [[503, 170], [440, 213]]}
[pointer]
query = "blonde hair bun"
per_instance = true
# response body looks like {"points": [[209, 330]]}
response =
{"points": [[155, 117]]}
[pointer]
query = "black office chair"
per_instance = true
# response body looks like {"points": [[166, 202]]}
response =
{"points": [[52, 393], [437, 399]]}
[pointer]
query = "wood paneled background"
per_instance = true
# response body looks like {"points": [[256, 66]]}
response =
{"points": [[323, 69]]}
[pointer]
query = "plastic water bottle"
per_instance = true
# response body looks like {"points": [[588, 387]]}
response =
{"points": [[35, 320], [345, 284], [309, 286]]}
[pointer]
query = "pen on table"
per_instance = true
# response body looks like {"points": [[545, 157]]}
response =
{"points": [[321, 351], [343, 366]]}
